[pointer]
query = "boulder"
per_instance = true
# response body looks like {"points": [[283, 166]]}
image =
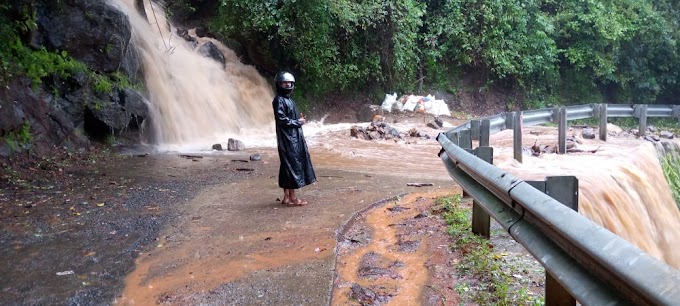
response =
{"points": [[65, 111], [436, 123], [210, 50], [123, 108], [101, 40], [666, 135], [235, 145], [588, 133]]}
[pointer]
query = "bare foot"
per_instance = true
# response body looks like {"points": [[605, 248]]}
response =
{"points": [[297, 202]]}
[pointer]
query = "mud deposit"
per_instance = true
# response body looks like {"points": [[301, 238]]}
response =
{"points": [[397, 254]]}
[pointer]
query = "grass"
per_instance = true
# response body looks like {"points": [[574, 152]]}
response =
{"points": [[19, 139], [485, 278], [671, 169]]}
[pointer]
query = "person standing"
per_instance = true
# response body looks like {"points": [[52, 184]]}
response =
{"points": [[296, 169]]}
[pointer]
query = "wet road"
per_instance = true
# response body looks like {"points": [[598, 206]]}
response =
{"points": [[235, 243], [203, 229]]}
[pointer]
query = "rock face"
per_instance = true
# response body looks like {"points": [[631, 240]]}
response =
{"points": [[90, 31], [65, 111]]}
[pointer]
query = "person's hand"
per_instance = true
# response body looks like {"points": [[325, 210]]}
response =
{"points": [[302, 119]]}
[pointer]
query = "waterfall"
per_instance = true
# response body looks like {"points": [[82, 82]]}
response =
{"points": [[635, 201], [622, 187], [195, 101]]}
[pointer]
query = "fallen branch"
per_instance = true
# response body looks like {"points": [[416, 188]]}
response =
{"points": [[419, 184], [575, 150], [190, 156]]}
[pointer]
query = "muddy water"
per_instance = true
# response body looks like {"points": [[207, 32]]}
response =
{"points": [[414, 158], [194, 99], [621, 186]]}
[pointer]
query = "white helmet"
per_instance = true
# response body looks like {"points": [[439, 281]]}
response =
{"points": [[284, 76]]}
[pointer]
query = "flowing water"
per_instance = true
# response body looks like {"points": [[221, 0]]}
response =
{"points": [[196, 102], [622, 186]]}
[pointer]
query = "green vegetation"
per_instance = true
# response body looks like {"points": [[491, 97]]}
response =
{"points": [[545, 52], [493, 277], [18, 59], [542, 53], [19, 139], [671, 169], [102, 84]]}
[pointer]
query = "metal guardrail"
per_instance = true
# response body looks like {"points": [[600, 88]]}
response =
{"points": [[595, 266]]}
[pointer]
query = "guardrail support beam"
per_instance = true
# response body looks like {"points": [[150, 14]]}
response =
{"points": [[481, 221], [474, 128], [564, 189], [643, 119], [485, 133], [517, 136], [562, 131], [603, 121], [465, 139], [509, 120]]}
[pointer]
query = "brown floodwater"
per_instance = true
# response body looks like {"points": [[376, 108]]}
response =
{"points": [[621, 186], [197, 102]]}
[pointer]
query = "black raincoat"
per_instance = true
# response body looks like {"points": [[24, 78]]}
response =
{"points": [[296, 169]]}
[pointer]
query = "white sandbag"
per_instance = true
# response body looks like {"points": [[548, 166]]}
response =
{"points": [[439, 107], [428, 104], [389, 102], [411, 103]]}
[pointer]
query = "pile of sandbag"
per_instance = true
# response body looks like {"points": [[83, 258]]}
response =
{"points": [[412, 103]]}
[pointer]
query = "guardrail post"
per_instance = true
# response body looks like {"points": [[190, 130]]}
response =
{"points": [[564, 189], [643, 120], [562, 131], [676, 112], [465, 139], [485, 133], [453, 137], [509, 120], [481, 221], [517, 136], [603, 121], [474, 128]]}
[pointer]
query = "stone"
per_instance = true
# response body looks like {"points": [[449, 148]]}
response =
{"points": [[666, 135], [235, 145], [210, 50], [588, 133]]}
